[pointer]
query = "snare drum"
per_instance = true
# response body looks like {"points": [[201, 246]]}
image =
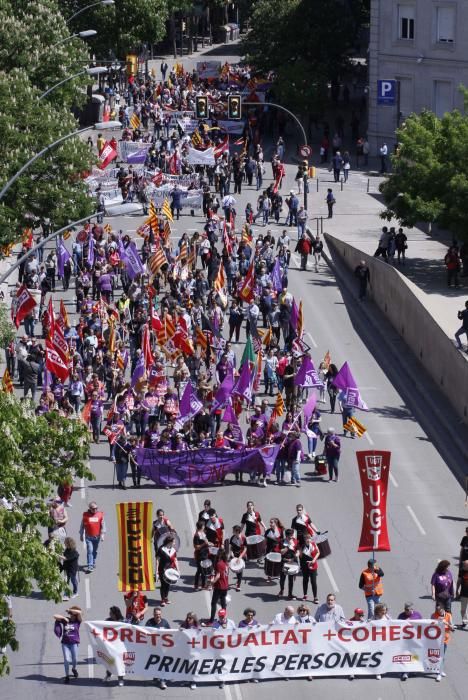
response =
{"points": [[237, 565], [273, 564], [290, 569], [171, 576], [323, 545], [256, 547], [213, 551], [206, 565]]}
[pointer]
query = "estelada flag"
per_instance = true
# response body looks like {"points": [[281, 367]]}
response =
{"points": [[23, 303], [7, 383], [134, 526], [106, 156]]}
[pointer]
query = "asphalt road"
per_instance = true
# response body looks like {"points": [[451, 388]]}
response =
{"points": [[425, 508]]}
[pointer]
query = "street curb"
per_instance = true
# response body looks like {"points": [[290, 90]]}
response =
{"points": [[404, 378]]}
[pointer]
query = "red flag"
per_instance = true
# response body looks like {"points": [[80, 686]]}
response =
{"points": [[227, 239], [50, 316], [156, 323], [157, 179], [183, 342], [247, 287], [86, 412], [106, 156], [55, 363], [58, 342], [113, 432], [222, 147], [374, 468], [146, 347], [23, 303]]}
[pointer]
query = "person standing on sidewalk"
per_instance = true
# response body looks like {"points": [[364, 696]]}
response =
{"points": [[401, 246], [337, 164], [463, 330], [363, 275], [452, 263], [92, 531], [370, 582], [330, 200]]}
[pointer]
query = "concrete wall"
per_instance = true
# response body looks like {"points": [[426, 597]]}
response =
{"points": [[403, 305]]}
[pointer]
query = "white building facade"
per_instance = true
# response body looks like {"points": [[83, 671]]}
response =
{"points": [[418, 57]]}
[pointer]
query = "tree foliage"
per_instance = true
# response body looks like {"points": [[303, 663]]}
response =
{"points": [[38, 454], [7, 329], [429, 179], [307, 44]]}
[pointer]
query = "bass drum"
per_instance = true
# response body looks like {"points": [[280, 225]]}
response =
{"points": [[323, 545], [206, 565], [290, 569], [273, 564], [163, 537], [256, 547], [237, 565]]}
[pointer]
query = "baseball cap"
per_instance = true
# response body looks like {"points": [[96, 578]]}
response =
{"points": [[222, 613], [358, 611]]}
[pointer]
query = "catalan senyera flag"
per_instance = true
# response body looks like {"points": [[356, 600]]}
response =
{"points": [[7, 383], [166, 209], [64, 314], [167, 231], [200, 338], [152, 219], [134, 524], [135, 121], [279, 405], [196, 138], [354, 426], [111, 340], [157, 260], [267, 338]]}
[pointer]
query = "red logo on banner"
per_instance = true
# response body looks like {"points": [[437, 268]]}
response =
{"points": [[374, 468]]}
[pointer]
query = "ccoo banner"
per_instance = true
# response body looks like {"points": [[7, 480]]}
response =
{"points": [[134, 522], [270, 651], [374, 468]]}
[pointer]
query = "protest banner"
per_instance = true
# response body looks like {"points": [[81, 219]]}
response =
{"points": [[134, 525], [203, 466], [269, 651]]}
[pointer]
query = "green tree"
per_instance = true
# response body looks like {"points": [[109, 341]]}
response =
{"points": [[307, 44], [52, 185], [123, 27], [7, 329], [38, 454], [31, 50], [429, 179]]}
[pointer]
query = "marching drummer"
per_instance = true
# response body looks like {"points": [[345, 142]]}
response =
{"points": [[308, 557], [274, 536], [252, 521], [214, 529], [238, 550], [161, 525], [167, 559], [302, 524], [200, 554], [203, 514], [289, 562]]}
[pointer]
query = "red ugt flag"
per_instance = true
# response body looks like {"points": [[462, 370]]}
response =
{"points": [[374, 468], [23, 303], [55, 362], [107, 155]]}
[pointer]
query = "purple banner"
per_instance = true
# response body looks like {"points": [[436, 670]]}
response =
{"points": [[203, 466]]}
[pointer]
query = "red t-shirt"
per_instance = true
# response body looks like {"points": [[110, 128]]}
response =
{"points": [[222, 569]]}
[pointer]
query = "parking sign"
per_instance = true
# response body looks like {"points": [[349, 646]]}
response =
{"points": [[386, 92]]}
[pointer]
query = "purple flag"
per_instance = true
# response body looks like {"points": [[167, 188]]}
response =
{"points": [[62, 256], [294, 317], [138, 156], [276, 276], [243, 386], [139, 370], [132, 261], [307, 375], [91, 250], [351, 397], [189, 406], [231, 418], [309, 406], [224, 391]]}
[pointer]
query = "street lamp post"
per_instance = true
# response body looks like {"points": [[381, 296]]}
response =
{"points": [[82, 35], [98, 125], [94, 4], [96, 70]]}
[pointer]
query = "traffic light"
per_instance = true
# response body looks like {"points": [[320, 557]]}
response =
{"points": [[234, 107], [201, 107]]}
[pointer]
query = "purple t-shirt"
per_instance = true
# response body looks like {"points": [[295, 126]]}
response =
{"points": [[414, 616], [69, 632], [443, 583], [332, 450]]}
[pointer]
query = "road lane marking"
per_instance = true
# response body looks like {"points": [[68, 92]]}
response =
{"points": [[87, 593], [393, 480], [331, 578], [311, 339], [90, 661], [368, 438], [83, 488], [418, 524]]}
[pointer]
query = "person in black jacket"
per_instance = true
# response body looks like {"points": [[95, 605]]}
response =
{"points": [[70, 558], [363, 275]]}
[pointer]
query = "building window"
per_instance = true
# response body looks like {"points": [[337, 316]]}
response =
{"points": [[406, 21], [443, 97], [446, 24]]}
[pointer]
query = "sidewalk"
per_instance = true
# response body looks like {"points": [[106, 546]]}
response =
{"points": [[356, 221]]}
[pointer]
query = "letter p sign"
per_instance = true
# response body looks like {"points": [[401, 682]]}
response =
{"points": [[386, 92]]}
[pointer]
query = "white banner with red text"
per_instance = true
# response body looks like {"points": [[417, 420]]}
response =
{"points": [[271, 651]]}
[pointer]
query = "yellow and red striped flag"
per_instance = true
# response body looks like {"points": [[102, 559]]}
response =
{"points": [[167, 231], [166, 209], [157, 260], [135, 121], [152, 219], [300, 321], [64, 314], [200, 338], [279, 405], [354, 426], [111, 341], [7, 383]]}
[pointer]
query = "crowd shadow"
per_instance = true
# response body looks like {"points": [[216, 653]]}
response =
{"points": [[430, 275], [395, 412], [455, 518], [223, 50]]}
